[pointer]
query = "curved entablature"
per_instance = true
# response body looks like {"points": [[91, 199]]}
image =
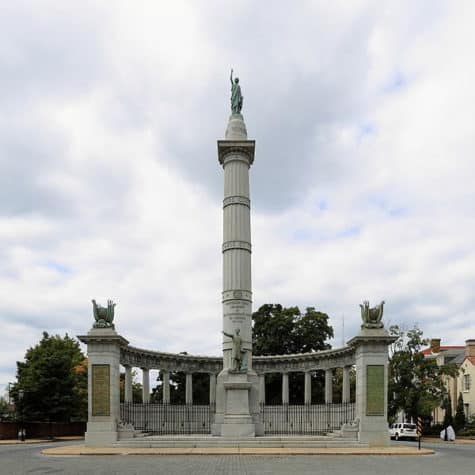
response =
{"points": [[138, 357], [301, 362]]}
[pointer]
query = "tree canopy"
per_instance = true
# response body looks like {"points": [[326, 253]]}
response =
{"points": [[278, 330], [416, 383], [53, 381], [281, 331]]}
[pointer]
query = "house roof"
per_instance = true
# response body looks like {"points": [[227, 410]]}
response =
{"points": [[471, 359], [428, 351]]}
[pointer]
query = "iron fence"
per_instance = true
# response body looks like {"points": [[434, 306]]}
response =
{"points": [[308, 419], [168, 418]]}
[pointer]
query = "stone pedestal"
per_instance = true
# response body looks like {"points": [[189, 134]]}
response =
{"points": [[103, 352], [237, 405], [371, 353]]}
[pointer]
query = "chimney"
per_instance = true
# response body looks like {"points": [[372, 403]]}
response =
{"points": [[435, 345], [470, 348]]}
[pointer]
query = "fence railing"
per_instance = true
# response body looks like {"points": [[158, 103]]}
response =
{"points": [[316, 419], [168, 418]]}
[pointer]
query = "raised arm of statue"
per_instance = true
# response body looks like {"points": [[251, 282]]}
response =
{"points": [[228, 334], [231, 76]]}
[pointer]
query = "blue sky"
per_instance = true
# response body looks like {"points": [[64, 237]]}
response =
{"points": [[362, 186]]}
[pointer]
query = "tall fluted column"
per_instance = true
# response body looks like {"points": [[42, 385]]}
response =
{"points": [[236, 155], [237, 387], [128, 384]]}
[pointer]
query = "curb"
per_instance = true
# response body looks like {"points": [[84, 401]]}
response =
{"points": [[82, 450]]}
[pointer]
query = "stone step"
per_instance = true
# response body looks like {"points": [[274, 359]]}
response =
{"points": [[248, 445], [284, 442]]}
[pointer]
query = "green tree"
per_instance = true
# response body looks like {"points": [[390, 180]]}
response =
{"points": [[52, 381], [459, 420], [416, 383], [4, 409], [278, 330], [282, 331]]}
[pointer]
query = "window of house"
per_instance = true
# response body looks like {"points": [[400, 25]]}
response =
{"points": [[466, 382]]}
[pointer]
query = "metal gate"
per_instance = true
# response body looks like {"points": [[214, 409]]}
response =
{"points": [[168, 418], [316, 419]]}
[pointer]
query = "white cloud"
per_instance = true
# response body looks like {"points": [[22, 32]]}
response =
{"points": [[110, 187]]}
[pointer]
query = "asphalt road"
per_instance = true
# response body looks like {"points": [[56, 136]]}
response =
{"points": [[450, 459]]}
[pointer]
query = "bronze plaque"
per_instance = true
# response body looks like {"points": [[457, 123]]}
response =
{"points": [[101, 390], [375, 390]]}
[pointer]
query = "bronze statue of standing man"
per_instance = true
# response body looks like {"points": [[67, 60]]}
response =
{"points": [[236, 355], [236, 96]]}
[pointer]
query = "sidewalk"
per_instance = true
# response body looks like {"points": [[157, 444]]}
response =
{"points": [[82, 450], [434, 440], [39, 440]]}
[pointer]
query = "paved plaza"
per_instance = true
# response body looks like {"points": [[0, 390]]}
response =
{"points": [[27, 459]]}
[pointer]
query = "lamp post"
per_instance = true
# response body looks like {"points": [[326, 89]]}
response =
{"points": [[21, 394]]}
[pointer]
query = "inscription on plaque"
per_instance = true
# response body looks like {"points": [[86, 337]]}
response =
{"points": [[375, 390], [237, 310], [100, 390]]}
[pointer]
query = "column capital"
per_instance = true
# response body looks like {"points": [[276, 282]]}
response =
{"points": [[234, 149]]}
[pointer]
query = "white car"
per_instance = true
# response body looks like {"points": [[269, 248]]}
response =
{"points": [[400, 430]]}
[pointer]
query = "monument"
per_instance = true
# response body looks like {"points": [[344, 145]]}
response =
{"points": [[237, 407], [237, 410]]}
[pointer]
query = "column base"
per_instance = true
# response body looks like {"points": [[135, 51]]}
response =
{"points": [[100, 434], [374, 433]]}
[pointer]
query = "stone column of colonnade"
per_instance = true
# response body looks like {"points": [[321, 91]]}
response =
{"points": [[189, 388], [212, 388], [308, 388], [128, 395], [328, 386], [285, 388], [262, 389], [145, 385], [166, 386], [345, 396]]}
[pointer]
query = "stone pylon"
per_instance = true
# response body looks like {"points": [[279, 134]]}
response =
{"points": [[237, 408]]}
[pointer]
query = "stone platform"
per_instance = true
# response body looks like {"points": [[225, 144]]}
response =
{"points": [[365, 451], [208, 441]]}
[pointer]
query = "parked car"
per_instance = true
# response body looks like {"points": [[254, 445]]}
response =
{"points": [[401, 430]]}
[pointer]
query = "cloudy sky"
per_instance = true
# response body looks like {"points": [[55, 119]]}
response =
{"points": [[362, 186]]}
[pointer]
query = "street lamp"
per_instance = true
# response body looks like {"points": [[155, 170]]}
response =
{"points": [[21, 394]]}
